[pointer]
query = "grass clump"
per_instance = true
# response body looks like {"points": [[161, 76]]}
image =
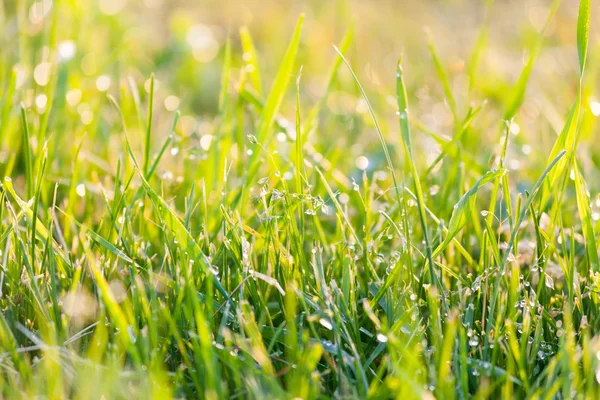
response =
{"points": [[146, 252]]}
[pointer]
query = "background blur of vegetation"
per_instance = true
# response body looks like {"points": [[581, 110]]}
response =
{"points": [[104, 45]]}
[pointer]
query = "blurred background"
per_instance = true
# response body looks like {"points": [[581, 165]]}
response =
{"points": [[68, 54]]}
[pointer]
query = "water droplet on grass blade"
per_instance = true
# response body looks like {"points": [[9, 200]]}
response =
{"points": [[66, 50], [595, 108], [326, 323], [80, 190], [382, 338]]}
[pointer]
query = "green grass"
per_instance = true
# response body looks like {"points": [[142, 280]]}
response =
{"points": [[227, 242]]}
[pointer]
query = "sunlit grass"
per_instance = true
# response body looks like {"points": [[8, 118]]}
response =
{"points": [[204, 219]]}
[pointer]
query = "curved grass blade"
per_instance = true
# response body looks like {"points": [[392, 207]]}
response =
{"points": [[583, 31], [585, 214], [149, 126], [567, 140], [26, 210], [29, 178], [175, 223], [251, 59], [343, 47], [462, 209], [275, 97], [511, 242], [388, 158], [406, 141]]}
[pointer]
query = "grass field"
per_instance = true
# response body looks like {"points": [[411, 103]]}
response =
{"points": [[256, 199]]}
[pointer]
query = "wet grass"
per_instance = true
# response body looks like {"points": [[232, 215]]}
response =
{"points": [[241, 254]]}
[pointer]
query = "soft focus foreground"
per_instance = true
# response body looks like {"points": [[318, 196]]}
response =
{"points": [[254, 199]]}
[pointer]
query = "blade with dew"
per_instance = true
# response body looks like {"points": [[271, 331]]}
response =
{"points": [[275, 98], [408, 150], [167, 214], [511, 242], [463, 208], [567, 140], [251, 59], [585, 214]]}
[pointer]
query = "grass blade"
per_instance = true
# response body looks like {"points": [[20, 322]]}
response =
{"points": [[408, 150], [148, 139], [251, 59], [585, 213]]}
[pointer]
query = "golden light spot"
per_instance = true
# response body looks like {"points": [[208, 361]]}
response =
{"points": [[203, 43], [41, 73], [41, 101], [103, 83], [172, 103], [87, 117], [362, 162], [73, 97], [66, 50], [595, 107], [80, 190], [205, 142]]}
